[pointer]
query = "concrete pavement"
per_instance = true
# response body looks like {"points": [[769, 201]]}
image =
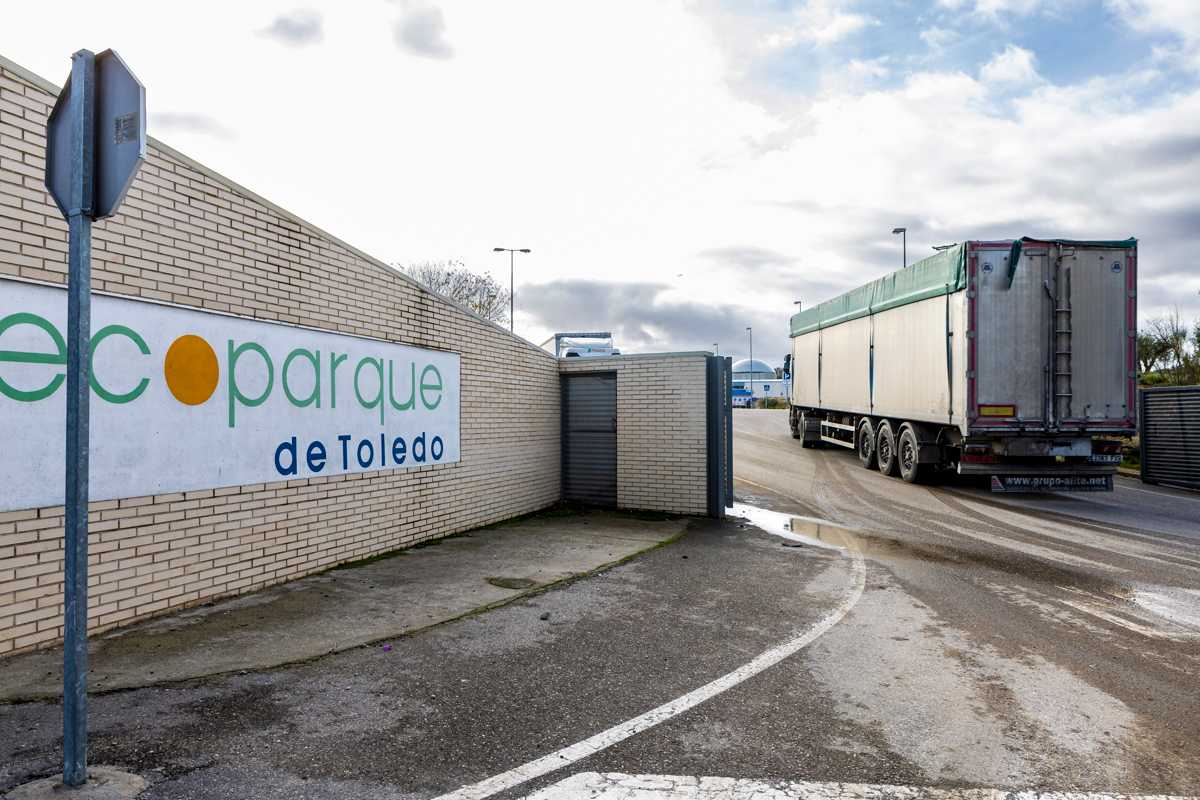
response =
{"points": [[349, 606]]}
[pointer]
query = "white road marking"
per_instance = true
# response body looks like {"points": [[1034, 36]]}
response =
{"points": [[1177, 493], [617, 786], [619, 733]]}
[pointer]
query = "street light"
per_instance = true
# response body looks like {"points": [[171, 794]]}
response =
{"points": [[904, 245], [511, 292], [750, 330], [798, 303]]}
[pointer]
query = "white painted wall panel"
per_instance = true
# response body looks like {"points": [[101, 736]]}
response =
{"points": [[360, 404]]}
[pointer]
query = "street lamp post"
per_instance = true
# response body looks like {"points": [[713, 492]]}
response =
{"points": [[750, 330], [511, 289], [903, 245]]}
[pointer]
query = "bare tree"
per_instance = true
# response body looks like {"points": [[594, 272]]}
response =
{"points": [[453, 279], [1167, 345], [1150, 352]]}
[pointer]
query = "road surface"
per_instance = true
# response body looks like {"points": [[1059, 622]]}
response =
{"points": [[1005, 637], [874, 639]]}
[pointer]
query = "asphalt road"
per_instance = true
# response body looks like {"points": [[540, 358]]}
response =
{"points": [[1046, 639], [891, 634]]}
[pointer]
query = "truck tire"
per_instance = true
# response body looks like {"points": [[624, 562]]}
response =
{"points": [[885, 449], [907, 452], [866, 443], [805, 441]]}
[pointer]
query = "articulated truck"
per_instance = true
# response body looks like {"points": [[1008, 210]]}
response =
{"points": [[1009, 359]]}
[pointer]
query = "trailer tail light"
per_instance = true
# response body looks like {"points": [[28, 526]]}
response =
{"points": [[997, 410], [978, 454], [1106, 447]]}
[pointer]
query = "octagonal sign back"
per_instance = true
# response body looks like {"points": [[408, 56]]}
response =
{"points": [[119, 133]]}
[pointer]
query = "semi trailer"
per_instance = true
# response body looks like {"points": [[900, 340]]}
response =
{"points": [[1013, 359]]}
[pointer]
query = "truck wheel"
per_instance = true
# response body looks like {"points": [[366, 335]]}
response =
{"points": [[885, 449], [805, 442], [906, 455], [866, 444], [793, 423]]}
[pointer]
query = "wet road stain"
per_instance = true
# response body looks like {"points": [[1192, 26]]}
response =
{"points": [[887, 547], [795, 530]]}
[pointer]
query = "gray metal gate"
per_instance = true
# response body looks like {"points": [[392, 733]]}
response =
{"points": [[720, 434], [1170, 435], [589, 437]]}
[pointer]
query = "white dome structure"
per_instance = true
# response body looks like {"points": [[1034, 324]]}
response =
{"points": [[754, 380], [762, 371]]}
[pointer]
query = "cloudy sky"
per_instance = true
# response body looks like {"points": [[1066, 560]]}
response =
{"points": [[681, 169]]}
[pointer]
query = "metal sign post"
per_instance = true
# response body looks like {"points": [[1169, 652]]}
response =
{"points": [[95, 142]]}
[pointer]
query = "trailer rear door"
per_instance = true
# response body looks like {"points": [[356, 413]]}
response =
{"points": [[1102, 346], [1008, 338], [1050, 345]]}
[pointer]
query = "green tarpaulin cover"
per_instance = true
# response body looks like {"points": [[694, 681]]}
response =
{"points": [[944, 272], [1014, 252]]}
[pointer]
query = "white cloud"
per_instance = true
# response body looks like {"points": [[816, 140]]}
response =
{"points": [[421, 30], [869, 68], [1014, 66], [994, 8], [637, 165], [295, 28], [818, 22], [1178, 18], [936, 37], [189, 123]]}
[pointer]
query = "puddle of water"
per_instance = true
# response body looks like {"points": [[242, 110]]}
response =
{"points": [[804, 530]]}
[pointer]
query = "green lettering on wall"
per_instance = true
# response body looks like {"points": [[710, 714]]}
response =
{"points": [[235, 394], [131, 335], [334, 360], [377, 363], [412, 387], [313, 357], [19, 357], [434, 385]]}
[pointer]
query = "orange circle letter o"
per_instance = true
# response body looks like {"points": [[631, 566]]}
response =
{"points": [[191, 370]]}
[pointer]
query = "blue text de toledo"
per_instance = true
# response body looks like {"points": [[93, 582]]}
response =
{"points": [[349, 452]]}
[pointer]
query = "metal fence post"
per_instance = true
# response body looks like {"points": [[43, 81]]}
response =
{"points": [[79, 319], [727, 401], [712, 403]]}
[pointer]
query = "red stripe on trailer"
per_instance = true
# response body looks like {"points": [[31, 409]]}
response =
{"points": [[1130, 336], [972, 293]]}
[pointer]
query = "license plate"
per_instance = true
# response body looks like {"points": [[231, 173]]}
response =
{"points": [[1052, 483], [1102, 459]]}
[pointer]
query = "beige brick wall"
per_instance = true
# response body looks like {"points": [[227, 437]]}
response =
{"points": [[188, 237], [662, 451]]}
